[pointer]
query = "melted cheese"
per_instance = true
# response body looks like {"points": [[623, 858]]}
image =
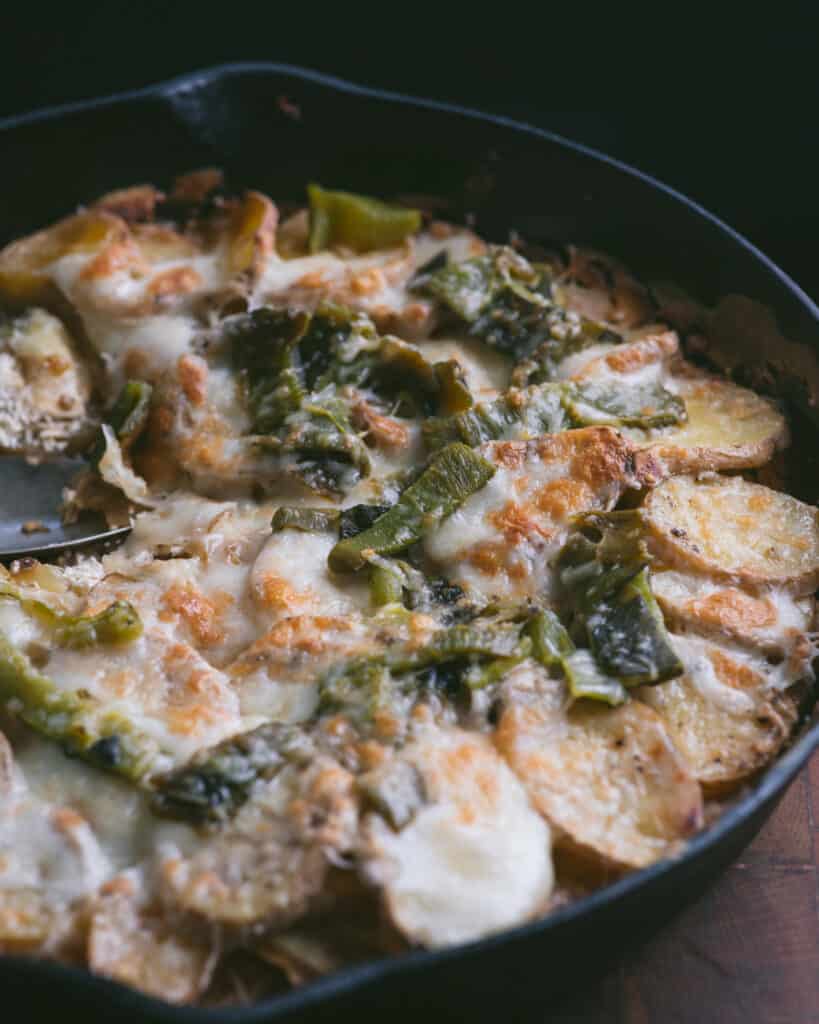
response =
{"points": [[239, 623], [291, 577], [376, 283], [475, 859], [485, 370], [769, 618], [44, 386], [727, 712], [501, 541]]}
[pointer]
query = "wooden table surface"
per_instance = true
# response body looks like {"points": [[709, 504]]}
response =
{"points": [[747, 952]]}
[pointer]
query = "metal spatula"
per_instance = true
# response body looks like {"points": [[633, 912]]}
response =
{"points": [[30, 500]]}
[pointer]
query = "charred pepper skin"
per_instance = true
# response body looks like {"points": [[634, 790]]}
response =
{"points": [[128, 418], [454, 474], [79, 724]]}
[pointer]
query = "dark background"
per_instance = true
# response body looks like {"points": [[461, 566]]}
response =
{"points": [[726, 112]]}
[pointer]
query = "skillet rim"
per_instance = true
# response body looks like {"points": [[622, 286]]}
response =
{"points": [[770, 785]]}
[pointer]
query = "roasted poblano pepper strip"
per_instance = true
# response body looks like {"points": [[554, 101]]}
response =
{"points": [[357, 222], [318, 444], [357, 518], [551, 643], [521, 414], [586, 679], [470, 287], [394, 581], [264, 352], [216, 782], [508, 303], [568, 333], [127, 417], [119, 623], [297, 371], [455, 474], [553, 647], [454, 395], [386, 585], [628, 636], [469, 655], [308, 520], [83, 728], [608, 584], [621, 404], [515, 415]]}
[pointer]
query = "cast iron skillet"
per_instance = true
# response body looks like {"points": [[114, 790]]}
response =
{"points": [[243, 118]]}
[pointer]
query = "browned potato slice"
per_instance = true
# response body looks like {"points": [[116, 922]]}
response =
{"points": [[639, 359], [44, 385], [27, 920], [728, 427], [740, 530], [252, 234], [771, 620], [268, 866], [244, 880], [474, 858], [23, 264], [611, 781], [723, 713], [143, 948]]}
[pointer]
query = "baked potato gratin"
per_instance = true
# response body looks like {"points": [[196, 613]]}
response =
{"points": [[453, 591]]}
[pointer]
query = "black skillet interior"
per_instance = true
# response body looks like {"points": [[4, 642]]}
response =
{"points": [[275, 128]]}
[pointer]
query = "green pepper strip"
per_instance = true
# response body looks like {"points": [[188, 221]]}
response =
{"points": [[552, 647], [217, 781], [309, 520], [628, 636], [357, 222], [455, 474], [119, 623], [514, 415], [608, 582], [128, 418], [104, 738], [552, 407], [620, 404]]}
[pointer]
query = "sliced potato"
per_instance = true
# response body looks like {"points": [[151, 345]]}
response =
{"points": [[640, 361], [30, 921], [474, 859], [141, 947], [724, 715], [728, 427], [24, 264], [740, 530], [44, 385], [242, 881], [611, 781], [769, 619], [268, 866]]}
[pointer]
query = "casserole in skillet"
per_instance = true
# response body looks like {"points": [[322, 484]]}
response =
{"points": [[443, 673]]}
